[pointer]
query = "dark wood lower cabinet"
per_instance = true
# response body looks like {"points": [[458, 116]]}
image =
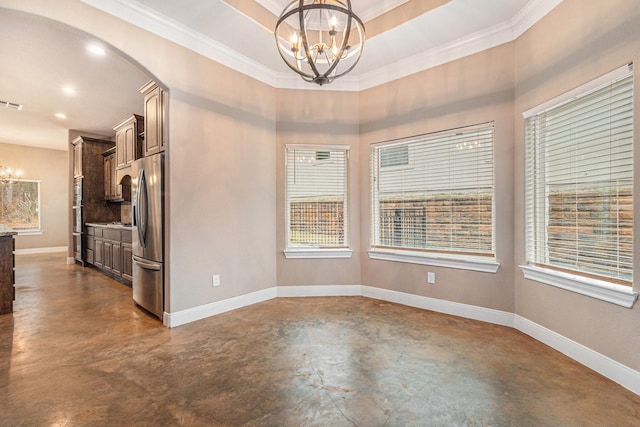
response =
{"points": [[98, 252], [116, 258], [107, 255], [7, 273], [127, 261], [90, 251], [111, 251]]}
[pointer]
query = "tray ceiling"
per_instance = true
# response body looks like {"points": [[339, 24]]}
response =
{"points": [[403, 37]]}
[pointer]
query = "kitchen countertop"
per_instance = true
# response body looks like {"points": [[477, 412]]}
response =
{"points": [[6, 231], [118, 225]]}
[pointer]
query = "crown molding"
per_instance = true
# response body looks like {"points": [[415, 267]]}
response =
{"points": [[350, 83], [373, 10], [477, 42], [533, 11], [146, 18], [457, 49]]}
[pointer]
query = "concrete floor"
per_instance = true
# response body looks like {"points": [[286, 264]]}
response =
{"points": [[78, 352]]}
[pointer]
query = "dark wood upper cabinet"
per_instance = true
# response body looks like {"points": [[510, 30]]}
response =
{"points": [[154, 119], [112, 189], [129, 140]]}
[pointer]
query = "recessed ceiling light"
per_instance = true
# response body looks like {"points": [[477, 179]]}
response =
{"points": [[95, 49], [69, 90], [60, 115]]}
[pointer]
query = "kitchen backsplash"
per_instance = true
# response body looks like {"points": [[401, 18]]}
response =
{"points": [[125, 212]]}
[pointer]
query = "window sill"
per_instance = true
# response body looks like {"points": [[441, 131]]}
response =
{"points": [[317, 253], [599, 289], [461, 262]]}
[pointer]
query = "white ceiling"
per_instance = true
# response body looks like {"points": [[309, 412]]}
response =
{"points": [[40, 58], [46, 55]]}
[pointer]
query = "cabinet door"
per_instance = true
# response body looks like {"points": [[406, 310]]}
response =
{"points": [[131, 143], [91, 245], [112, 191], [116, 266], [107, 177], [77, 160], [107, 255], [121, 148], [153, 122], [116, 189], [164, 134], [98, 252], [127, 261]]}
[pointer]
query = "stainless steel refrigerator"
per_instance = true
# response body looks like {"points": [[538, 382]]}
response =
{"points": [[147, 194]]}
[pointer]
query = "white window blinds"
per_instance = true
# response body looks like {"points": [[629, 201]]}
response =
{"points": [[435, 192], [579, 158], [316, 196]]}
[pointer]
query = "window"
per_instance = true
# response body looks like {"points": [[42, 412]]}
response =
{"points": [[442, 199], [394, 156], [20, 205], [316, 191], [579, 188]]}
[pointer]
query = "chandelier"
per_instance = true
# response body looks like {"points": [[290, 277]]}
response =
{"points": [[8, 175], [320, 39]]}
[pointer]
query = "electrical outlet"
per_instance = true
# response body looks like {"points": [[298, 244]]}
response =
{"points": [[215, 280], [431, 278]]}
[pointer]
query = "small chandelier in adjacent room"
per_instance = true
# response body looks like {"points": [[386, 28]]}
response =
{"points": [[320, 39], [8, 175]]}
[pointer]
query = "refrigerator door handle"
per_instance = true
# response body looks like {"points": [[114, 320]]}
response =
{"points": [[147, 266], [142, 213]]}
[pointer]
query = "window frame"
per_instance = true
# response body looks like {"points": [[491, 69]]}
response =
{"points": [[312, 251], [30, 231], [582, 283], [482, 262]]}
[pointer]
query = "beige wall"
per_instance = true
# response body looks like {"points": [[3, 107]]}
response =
{"points": [[221, 187], [577, 42], [472, 90], [318, 117], [49, 166]]}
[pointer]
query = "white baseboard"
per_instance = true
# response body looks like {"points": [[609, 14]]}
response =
{"points": [[319, 291], [50, 250], [615, 371], [441, 306], [71, 260], [196, 313]]}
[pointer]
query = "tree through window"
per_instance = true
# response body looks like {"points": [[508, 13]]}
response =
{"points": [[20, 205]]}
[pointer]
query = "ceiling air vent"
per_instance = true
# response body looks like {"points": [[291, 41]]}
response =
{"points": [[12, 105]]}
